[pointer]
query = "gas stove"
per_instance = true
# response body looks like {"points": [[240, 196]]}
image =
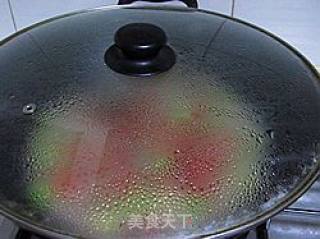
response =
{"points": [[300, 220]]}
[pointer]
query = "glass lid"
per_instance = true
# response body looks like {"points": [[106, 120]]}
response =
{"points": [[136, 122]]}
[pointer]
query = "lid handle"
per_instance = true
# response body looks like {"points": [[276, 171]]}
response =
{"points": [[189, 3], [140, 40], [140, 50]]}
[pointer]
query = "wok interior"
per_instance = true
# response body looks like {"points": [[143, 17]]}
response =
{"points": [[226, 135]]}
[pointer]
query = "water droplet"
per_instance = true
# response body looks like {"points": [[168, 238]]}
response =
{"points": [[29, 109], [270, 132], [259, 140]]}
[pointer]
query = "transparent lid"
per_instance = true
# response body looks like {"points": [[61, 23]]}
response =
{"points": [[226, 136]]}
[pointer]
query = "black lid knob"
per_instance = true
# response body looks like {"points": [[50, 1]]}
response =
{"points": [[140, 49], [140, 40]]}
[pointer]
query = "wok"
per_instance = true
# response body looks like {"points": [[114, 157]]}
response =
{"points": [[153, 122]]}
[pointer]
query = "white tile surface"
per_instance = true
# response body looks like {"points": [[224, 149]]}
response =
{"points": [[6, 23], [295, 21], [27, 12], [221, 6]]}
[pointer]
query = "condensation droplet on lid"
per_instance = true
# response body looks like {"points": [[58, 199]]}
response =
{"points": [[259, 140], [270, 132], [29, 109]]}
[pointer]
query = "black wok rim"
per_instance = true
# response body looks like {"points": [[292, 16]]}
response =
{"points": [[246, 225]]}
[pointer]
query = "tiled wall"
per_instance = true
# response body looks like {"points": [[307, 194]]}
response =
{"points": [[6, 23], [296, 21]]}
